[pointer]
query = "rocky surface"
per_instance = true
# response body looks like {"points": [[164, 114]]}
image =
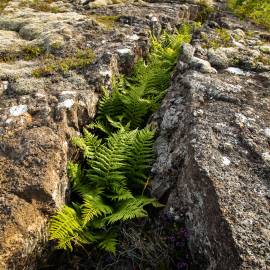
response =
{"points": [[213, 162], [39, 112], [213, 158]]}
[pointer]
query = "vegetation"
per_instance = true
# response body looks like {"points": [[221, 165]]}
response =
{"points": [[3, 4], [107, 21], [221, 38], [52, 64], [205, 10], [40, 5], [27, 52], [110, 185], [257, 10]]}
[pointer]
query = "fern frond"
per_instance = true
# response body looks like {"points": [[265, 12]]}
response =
{"points": [[129, 209], [100, 126], [75, 173], [89, 143], [140, 156], [65, 227], [109, 242], [93, 206]]}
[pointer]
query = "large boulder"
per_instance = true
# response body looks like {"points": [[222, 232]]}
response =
{"points": [[213, 165]]}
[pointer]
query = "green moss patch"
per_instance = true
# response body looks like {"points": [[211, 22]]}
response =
{"points": [[52, 64], [40, 5], [220, 38]]}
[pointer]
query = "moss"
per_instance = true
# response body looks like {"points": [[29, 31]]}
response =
{"points": [[52, 64], [32, 52], [220, 38], [108, 21], [3, 4], [265, 60], [205, 11], [40, 5], [28, 52]]}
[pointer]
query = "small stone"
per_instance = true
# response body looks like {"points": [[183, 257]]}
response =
{"points": [[68, 103], [218, 58], [201, 65], [226, 161], [265, 49], [187, 52], [267, 132], [239, 33], [266, 156], [18, 110], [133, 37], [124, 51], [235, 70]]}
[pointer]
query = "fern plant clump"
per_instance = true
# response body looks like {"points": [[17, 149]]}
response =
{"points": [[117, 150]]}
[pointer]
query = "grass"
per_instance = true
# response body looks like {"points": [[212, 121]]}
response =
{"points": [[257, 11], [52, 64], [40, 5]]}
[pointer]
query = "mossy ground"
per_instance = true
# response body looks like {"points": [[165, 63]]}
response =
{"points": [[221, 38], [52, 64], [40, 5], [3, 4], [108, 22]]}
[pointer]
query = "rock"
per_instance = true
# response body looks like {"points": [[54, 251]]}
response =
{"points": [[235, 70], [187, 52], [213, 165], [265, 49], [201, 65], [100, 3], [218, 58]]}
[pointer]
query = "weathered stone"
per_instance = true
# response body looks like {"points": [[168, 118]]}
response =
{"points": [[201, 65], [218, 59], [187, 52], [213, 165]]}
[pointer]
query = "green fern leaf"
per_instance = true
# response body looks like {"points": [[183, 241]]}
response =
{"points": [[93, 206], [65, 227], [108, 243], [130, 209]]}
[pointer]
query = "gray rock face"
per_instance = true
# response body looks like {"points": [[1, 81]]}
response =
{"points": [[213, 164]]}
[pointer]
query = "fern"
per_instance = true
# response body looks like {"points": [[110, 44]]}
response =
{"points": [[93, 206], [117, 153], [129, 209], [140, 156], [108, 242], [66, 227]]}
